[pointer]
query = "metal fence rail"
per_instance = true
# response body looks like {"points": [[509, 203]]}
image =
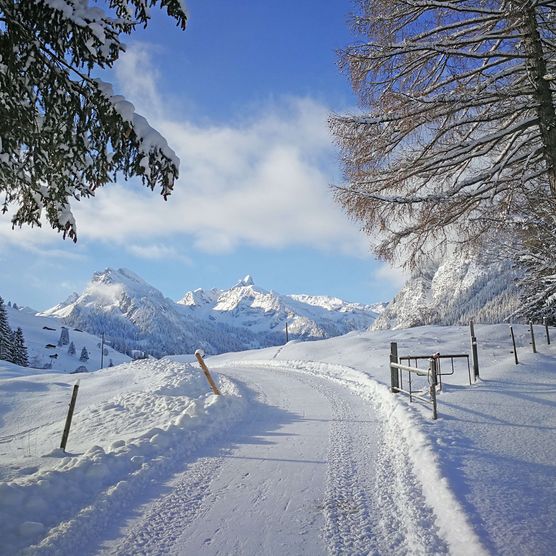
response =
{"points": [[397, 384], [438, 357]]}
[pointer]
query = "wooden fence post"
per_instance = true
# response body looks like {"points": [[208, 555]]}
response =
{"points": [[532, 337], [474, 351], [432, 368], [545, 322], [199, 356], [69, 417], [513, 342], [394, 373]]}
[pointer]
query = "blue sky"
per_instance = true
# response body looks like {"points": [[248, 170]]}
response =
{"points": [[242, 96]]}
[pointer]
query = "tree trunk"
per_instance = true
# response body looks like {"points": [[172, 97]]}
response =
{"points": [[543, 94]]}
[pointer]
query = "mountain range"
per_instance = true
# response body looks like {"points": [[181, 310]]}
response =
{"points": [[134, 315]]}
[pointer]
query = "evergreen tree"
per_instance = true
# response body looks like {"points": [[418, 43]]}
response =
{"points": [[71, 349], [64, 337], [20, 349], [84, 355], [15, 306], [64, 132], [6, 335]]}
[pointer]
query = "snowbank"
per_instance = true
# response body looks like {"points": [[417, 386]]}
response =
{"points": [[133, 423]]}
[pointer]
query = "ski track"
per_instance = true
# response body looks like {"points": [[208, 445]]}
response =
{"points": [[372, 502]]}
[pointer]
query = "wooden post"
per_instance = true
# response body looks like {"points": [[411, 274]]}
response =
{"points": [[69, 417], [432, 369], [287, 338], [532, 337], [394, 373], [102, 350], [199, 356], [513, 342], [545, 322], [474, 351]]}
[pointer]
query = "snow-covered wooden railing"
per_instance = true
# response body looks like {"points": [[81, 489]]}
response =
{"points": [[431, 373]]}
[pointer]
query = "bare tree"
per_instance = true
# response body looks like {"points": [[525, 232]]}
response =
{"points": [[459, 132]]}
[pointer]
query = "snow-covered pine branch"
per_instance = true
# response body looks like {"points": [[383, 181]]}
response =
{"points": [[64, 133]]}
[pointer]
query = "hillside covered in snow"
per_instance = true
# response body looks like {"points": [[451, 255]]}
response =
{"points": [[135, 315], [53, 345], [454, 290], [307, 451]]}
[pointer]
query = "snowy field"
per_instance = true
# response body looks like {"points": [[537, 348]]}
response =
{"points": [[307, 452]]}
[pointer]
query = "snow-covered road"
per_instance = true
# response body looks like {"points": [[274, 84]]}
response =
{"points": [[310, 471]]}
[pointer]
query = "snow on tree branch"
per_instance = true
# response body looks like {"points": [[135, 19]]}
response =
{"points": [[64, 133]]}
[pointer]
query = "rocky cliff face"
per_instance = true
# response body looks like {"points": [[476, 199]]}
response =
{"points": [[454, 291]]}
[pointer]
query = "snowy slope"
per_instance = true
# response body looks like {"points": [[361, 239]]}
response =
{"points": [[133, 423], [41, 338], [453, 291], [318, 456], [135, 315]]}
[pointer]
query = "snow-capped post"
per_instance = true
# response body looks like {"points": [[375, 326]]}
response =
{"points": [[474, 351], [199, 355], [394, 373], [513, 342], [69, 417], [534, 346], [545, 322], [433, 382]]}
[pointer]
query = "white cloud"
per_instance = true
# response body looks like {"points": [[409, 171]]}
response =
{"points": [[395, 276], [263, 181], [37, 240], [157, 252]]}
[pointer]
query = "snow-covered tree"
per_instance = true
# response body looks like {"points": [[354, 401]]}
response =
{"points": [[20, 356], [535, 253], [84, 355], [64, 337], [6, 335], [71, 349], [459, 122], [63, 132]]}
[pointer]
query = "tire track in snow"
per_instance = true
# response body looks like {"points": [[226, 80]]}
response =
{"points": [[374, 502], [350, 519], [158, 531]]}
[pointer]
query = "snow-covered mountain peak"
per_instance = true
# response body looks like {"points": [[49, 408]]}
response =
{"points": [[199, 297], [135, 315], [121, 276], [245, 281]]}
